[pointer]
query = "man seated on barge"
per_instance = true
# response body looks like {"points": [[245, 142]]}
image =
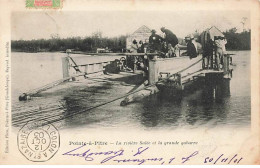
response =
{"points": [[191, 47]]}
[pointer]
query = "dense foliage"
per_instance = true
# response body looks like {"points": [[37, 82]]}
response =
{"points": [[87, 44], [238, 41]]}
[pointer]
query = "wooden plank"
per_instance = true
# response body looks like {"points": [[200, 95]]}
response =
{"points": [[211, 71], [82, 60], [190, 77], [176, 64], [141, 54]]}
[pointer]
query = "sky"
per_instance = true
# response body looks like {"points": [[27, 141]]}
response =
{"points": [[37, 25]]}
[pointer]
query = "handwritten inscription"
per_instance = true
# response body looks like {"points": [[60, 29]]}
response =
{"points": [[222, 159], [138, 156]]}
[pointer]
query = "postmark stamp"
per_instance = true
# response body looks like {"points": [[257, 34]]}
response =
{"points": [[52, 4], [38, 142]]}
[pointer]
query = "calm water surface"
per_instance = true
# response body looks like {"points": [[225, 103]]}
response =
{"points": [[32, 70]]}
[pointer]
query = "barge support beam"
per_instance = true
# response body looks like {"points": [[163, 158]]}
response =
{"points": [[153, 69], [65, 67]]}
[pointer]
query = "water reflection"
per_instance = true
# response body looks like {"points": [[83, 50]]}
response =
{"points": [[159, 110], [81, 106], [207, 102]]}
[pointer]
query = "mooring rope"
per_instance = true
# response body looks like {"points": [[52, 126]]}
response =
{"points": [[50, 85], [80, 112], [19, 117], [190, 66]]}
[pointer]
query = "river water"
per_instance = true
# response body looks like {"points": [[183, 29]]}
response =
{"points": [[32, 70]]}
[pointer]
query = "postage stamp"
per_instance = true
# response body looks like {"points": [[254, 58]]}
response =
{"points": [[44, 4], [38, 142]]}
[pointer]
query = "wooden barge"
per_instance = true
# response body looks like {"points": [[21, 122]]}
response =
{"points": [[172, 75]]}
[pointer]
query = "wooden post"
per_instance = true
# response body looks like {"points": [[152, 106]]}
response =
{"points": [[179, 81], [211, 59], [65, 67], [86, 69], [153, 71], [225, 64], [135, 66]]}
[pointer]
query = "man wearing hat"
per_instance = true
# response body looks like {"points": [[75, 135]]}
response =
{"points": [[155, 41], [191, 46], [170, 38]]}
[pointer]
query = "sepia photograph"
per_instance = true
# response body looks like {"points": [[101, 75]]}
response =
{"points": [[138, 70], [131, 87]]}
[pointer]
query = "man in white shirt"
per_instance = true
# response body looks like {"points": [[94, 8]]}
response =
{"points": [[220, 43]]}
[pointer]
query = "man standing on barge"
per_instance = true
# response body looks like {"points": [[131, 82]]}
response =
{"points": [[170, 37], [155, 41], [171, 40]]}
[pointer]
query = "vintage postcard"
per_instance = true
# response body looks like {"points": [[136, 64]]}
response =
{"points": [[129, 82]]}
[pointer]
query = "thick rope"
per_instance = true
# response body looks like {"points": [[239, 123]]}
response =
{"points": [[190, 66], [50, 85], [70, 115]]}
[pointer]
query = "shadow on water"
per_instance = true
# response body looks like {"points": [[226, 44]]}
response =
{"points": [[78, 105], [202, 102]]}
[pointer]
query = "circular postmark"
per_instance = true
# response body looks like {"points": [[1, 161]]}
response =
{"points": [[37, 141]]}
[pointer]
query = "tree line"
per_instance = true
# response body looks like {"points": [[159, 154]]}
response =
{"points": [[236, 41], [55, 43]]}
